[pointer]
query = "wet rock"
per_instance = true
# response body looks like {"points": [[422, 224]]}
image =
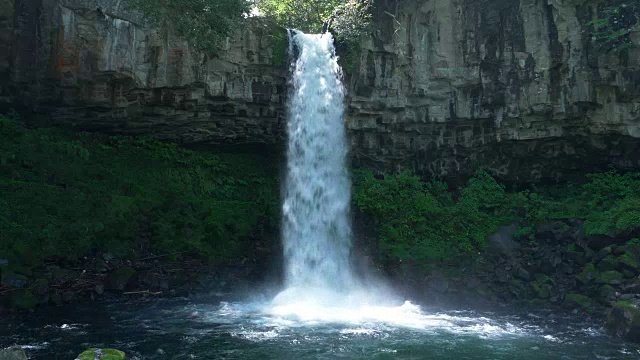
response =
{"points": [[624, 321], [607, 293], [603, 253], [542, 291], [633, 246], [68, 296], [40, 287], [119, 279], [629, 261], [578, 300], [522, 274], [608, 263], [104, 354], [23, 299], [13, 353], [631, 289], [587, 274], [100, 265], [628, 274], [610, 277], [56, 298]]}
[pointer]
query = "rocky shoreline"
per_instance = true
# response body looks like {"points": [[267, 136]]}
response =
{"points": [[105, 278], [559, 268]]}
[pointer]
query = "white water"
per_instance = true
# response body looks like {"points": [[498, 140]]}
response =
{"points": [[319, 282], [316, 226]]}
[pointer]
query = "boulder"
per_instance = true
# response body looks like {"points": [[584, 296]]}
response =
{"points": [[587, 274], [119, 279], [610, 277], [580, 301], [13, 353], [624, 321], [608, 263], [102, 354]]}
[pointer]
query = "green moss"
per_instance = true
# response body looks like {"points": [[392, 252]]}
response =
{"points": [[630, 260], [102, 354], [609, 277], [421, 222], [580, 300], [67, 194], [279, 46]]}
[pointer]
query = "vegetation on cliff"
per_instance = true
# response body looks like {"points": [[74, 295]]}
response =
{"points": [[422, 222], [612, 23], [204, 23], [67, 194]]}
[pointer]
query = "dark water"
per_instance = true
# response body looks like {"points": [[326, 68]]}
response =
{"points": [[206, 328]]}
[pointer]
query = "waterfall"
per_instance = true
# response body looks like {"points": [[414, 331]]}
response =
{"points": [[316, 220]]}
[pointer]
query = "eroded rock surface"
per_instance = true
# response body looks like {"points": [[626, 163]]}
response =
{"points": [[96, 65], [515, 86]]}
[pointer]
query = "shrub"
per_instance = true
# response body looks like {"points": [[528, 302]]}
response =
{"points": [[67, 194]]}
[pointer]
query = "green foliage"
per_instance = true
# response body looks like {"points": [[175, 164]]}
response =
{"points": [[279, 45], [204, 23], [351, 19], [420, 222], [66, 194], [612, 24], [304, 15]]}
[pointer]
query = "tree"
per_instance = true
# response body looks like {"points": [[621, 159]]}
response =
{"points": [[304, 15], [204, 23]]}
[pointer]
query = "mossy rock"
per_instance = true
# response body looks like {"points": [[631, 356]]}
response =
{"points": [[579, 300], [119, 279], [13, 353], [23, 299], [40, 286], [607, 292], [102, 354], [610, 277], [588, 274], [608, 263], [624, 320], [633, 246], [629, 260], [542, 291], [543, 279]]}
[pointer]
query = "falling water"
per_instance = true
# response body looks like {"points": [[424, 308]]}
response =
{"points": [[316, 227]]}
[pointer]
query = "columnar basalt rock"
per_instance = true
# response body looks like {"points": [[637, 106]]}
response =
{"points": [[515, 86], [441, 87], [97, 65]]}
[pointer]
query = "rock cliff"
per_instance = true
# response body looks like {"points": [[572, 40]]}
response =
{"points": [[97, 65], [516, 86], [442, 86]]}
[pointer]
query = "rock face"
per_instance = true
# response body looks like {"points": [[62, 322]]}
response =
{"points": [[98, 66], [624, 320], [515, 86]]}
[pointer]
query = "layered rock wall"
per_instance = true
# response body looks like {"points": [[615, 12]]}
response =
{"points": [[516, 86], [441, 87], [97, 65]]}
